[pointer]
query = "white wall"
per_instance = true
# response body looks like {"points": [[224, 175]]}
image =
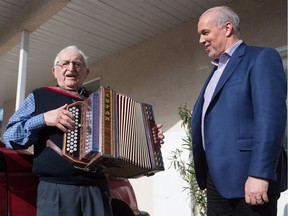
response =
{"points": [[283, 204], [166, 196]]}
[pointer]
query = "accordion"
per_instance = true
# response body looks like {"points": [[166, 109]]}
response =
{"points": [[113, 133]]}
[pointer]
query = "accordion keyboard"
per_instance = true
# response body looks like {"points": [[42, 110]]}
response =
{"points": [[73, 136]]}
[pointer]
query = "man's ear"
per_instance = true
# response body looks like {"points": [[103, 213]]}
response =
{"points": [[87, 72], [229, 29], [54, 73]]}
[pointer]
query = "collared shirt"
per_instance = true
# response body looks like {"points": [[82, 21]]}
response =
{"points": [[209, 91], [22, 128], [23, 125]]}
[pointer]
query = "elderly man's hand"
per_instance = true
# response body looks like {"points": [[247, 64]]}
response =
{"points": [[160, 133], [61, 118]]}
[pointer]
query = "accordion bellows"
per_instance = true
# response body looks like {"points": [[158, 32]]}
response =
{"points": [[113, 133]]}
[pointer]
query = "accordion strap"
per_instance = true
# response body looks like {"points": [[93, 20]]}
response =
{"points": [[81, 94], [53, 146]]}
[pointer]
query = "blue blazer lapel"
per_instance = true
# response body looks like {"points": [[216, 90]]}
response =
{"points": [[230, 68]]}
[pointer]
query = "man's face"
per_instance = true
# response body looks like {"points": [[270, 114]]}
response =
{"points": [[213, 37], [70, 70]]}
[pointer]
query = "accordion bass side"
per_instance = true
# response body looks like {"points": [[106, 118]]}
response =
{"points": [[113, 133]]}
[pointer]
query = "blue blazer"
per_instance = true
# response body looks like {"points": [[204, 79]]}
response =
{"points": [[244, 124]]}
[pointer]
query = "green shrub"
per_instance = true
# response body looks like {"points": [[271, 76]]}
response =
{"points": [[186, 169]]}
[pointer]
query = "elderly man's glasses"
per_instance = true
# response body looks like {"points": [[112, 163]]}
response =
{"points": [[66, 64]]}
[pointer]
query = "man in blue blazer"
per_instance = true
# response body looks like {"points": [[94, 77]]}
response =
{"points": [[238, 121]]}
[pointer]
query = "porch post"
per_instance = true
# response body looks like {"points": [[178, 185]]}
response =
{"points": [[22, 68]]}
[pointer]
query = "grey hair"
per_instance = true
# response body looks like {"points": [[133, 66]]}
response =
{"points": [[71, 48], [226, 14]]}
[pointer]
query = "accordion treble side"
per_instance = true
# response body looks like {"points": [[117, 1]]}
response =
{"points": [[113, 133]]}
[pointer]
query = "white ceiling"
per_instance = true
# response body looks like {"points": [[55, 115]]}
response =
{"points": [[99, 27]]}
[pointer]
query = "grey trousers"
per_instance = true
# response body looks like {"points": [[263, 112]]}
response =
{"points": [[72, 200]]}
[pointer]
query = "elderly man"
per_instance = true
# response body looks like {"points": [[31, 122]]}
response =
{"points": [[63, 190]]}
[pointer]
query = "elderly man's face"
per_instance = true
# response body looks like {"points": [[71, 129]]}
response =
{"points": [[70, 70]]}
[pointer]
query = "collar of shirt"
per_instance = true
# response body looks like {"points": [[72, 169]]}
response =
{"points": [[223, 60]]}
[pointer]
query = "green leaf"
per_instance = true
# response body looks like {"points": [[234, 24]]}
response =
{"points": [[186, 169]]}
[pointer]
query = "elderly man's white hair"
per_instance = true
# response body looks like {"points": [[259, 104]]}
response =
{"points": [[71, 48]]}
